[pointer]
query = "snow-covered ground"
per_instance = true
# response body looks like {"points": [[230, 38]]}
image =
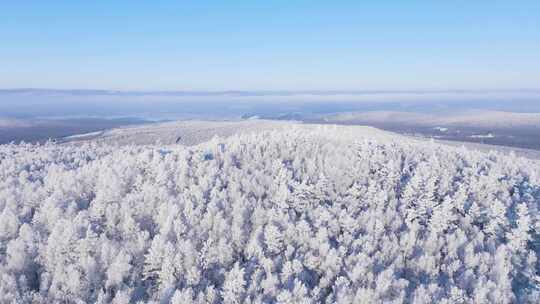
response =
{"points": [[489, 135], [471, 118], [88, 135], [441, 129], [192, 132], [266, 213], [480, 147]]}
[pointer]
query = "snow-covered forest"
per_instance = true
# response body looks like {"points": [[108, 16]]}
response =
{"points": [[296, 215]]}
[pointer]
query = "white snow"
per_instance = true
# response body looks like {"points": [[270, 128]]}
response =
{"points": [[266, 213], [441, 129], [84, 135], [476, 118], [489, 135], [188, 132]]}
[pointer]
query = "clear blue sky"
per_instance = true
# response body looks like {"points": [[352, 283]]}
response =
{"points": [[253, 45]]}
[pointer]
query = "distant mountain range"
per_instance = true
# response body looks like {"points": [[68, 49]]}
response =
{"points": [[473, 118], [84, 92]]}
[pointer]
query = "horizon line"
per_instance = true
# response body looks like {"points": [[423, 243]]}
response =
{"points": [[106, 92]]}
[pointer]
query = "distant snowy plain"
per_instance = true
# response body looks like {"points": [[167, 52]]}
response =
{"points": [[266, 212]]}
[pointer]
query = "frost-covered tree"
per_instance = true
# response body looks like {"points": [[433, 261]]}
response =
{"points": [[309, 214]]}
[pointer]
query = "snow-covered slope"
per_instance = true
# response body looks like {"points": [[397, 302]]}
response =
{"points": [[189, 132], [192, 132], [476, 118], [302, 214]]}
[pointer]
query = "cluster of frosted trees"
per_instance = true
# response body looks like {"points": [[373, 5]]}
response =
{"points": [[296, 216]]}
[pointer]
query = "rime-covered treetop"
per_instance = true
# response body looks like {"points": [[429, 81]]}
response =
{"points": [[298, 215]]}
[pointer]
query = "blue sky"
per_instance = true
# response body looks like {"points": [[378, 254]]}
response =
{"points": [[270, 45]]}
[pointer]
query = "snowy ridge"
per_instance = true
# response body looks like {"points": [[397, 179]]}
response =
{"points": [[304, 214], [84, 135], [189, 132], [476, 118]]}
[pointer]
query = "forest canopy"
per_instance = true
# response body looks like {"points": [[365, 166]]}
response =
{"points": [[304, 215]]}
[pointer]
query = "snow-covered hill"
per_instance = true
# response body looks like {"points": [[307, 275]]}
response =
{"points": [[471, 118], [294, 214], [192, 132], [189, 132]]}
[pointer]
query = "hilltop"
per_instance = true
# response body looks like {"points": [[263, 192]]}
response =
{"points": [[293, 214]]}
